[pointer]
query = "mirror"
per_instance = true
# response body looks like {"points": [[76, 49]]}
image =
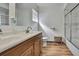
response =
{"points": [[25, 15], [4, 14], [19, 14]]}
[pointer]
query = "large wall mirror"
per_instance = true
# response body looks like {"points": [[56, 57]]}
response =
{"points": [[27, 15]]}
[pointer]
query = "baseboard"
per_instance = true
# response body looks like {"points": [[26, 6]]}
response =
{"points": [[55, 42]]}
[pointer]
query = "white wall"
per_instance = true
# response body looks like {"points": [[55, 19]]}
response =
{"points": [[52, 15]]}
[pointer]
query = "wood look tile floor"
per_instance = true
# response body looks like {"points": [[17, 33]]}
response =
{"points": [[56, 49]]}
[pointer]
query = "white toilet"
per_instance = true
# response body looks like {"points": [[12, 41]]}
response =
{"points": [[45, 41]]}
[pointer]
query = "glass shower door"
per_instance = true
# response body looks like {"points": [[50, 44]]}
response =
{"points": [[75, 27]]}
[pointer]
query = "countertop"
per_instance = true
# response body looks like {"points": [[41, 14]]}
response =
{"points": [[6, 43]]}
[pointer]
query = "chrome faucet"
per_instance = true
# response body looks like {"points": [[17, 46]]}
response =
{"points": [[28, 29], [0, 30]]}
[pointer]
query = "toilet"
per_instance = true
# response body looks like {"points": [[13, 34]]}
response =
{"points": [[45, 41]]}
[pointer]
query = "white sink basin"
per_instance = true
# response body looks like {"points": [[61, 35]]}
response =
{"points": [[11, 38], [10, 35]]}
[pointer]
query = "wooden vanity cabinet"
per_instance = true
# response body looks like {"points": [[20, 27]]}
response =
{"points": [[30, 47]]}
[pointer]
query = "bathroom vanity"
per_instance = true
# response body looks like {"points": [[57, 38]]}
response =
{"points": [[24, 45], [19, 43]]}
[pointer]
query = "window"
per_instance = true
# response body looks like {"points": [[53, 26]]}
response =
{"points": [[34, 15]]}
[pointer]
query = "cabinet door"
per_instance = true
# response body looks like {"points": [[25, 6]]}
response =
{"points": [[37, 47], [28, 52]]}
